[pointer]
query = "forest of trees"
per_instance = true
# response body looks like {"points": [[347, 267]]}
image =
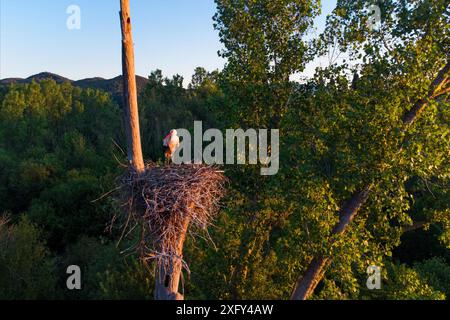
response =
{"points": [[363, 176]]}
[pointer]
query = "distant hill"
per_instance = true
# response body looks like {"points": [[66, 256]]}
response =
{"points": [[37, 77], [113, 86]]}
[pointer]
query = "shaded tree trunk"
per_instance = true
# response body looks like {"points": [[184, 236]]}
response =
{"points": [[168, 280], [316, 269], [307, 283]]}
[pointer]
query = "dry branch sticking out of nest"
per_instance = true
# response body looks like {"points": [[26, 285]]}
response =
{"points": [[163, 201]]}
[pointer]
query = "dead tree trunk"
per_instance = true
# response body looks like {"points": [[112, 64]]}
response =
{"points": [[168, 279], [131, 114], [307, 283]]}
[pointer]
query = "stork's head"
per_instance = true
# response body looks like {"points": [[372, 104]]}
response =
{"points": [[172, 132]]}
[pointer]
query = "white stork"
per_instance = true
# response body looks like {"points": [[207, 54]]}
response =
{"points": [[171, 143]]}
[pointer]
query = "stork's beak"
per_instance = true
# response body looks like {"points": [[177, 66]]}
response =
{"points": [[168, 136]]}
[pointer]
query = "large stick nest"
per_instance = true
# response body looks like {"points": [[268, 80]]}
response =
{"points": [[163, 201]]}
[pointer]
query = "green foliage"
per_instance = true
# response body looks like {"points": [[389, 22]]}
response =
{"points": [[165, 105], [108, 274], [437, 273], [263, 47], [134, 281], [400, 282], [337, 136], [58, 146], [56, 156], [27, 270], [406, 284]]}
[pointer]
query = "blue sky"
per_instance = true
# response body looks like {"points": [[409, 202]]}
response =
{"points": [[173, 35]]}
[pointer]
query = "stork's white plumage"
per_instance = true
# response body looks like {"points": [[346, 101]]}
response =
{"points": [[171, 142]]}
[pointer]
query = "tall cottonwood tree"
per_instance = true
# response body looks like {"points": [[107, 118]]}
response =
{"points": [[337, 138], [316, 269], [264, 47], [410, 48]]}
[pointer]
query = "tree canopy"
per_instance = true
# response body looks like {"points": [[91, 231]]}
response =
{"points": [[374, 122]]}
